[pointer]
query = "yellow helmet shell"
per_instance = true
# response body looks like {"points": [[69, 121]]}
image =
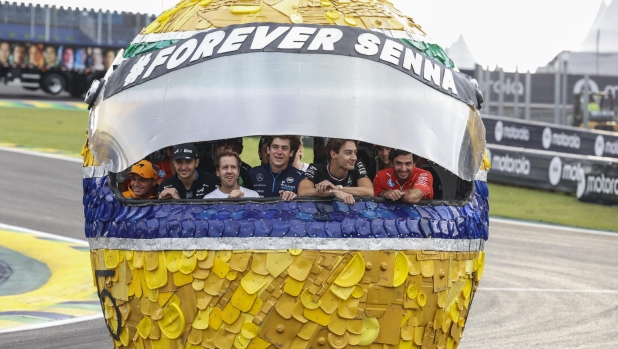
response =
{"points": [[198, 15]]}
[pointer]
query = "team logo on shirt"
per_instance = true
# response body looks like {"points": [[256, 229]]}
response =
{"points": [[390, 183], [422, 179], [310, 173], [289, 180], [361, 168], [161, 174], [259, 177], [287, 187]]}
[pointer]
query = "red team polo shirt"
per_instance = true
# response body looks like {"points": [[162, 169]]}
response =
{"points": [[421, 179]]}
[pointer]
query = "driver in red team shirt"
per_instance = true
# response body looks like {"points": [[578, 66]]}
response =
{"points": [[403, 181]]}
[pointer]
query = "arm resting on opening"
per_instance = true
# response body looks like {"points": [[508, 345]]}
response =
{"points": [[365, 188], [307, 188], [412, 196]]}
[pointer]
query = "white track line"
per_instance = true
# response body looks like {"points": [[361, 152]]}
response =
{"points": [[544, 290], [57, 322], [554, 227], [48, 235], [41, 154], [54, 323]]}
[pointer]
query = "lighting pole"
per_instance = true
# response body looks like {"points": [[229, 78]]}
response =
{"points": [[527, 96], [501, 94], [516, 94]]}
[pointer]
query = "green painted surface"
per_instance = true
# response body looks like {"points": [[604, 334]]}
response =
{"points": [[549, 207], [24, 319], [62, 130], [12, 103], [77, 306], [28, 274]]}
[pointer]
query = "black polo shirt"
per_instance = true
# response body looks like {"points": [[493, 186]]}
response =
{"points": [[203, 184], [317, 173]]}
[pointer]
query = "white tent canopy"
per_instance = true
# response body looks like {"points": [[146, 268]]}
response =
{"points": [[460, 53], [605, 29], [598, 53]]}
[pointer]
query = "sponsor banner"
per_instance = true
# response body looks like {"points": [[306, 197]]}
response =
{"points": [[298, 39], [590, 178], [536, 169], [544, 136], [600, 185]]}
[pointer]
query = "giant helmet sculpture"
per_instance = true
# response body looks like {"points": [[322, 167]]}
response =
{"points": [[310, 273]]}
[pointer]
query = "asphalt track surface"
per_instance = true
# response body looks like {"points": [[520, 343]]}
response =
{"points": [[542, 287], [16, 92]]}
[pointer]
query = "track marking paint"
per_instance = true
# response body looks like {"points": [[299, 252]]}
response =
{"points": [[41, 154], [550, 226], [544, 290], [54, 323], [60, 280]]}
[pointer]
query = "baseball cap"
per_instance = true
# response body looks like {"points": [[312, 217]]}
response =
{"points": [[263, 140], [185, 151], [144, 169]]}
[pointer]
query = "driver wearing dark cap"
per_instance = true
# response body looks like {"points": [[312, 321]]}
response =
{"points": [[187, 183]]}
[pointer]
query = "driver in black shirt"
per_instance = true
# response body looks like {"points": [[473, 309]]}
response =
{"points": [[342, 177], [187, 183]]}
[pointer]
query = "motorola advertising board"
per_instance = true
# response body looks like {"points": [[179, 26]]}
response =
{"points": [[591, 178], [550, 137], [601, 185]]}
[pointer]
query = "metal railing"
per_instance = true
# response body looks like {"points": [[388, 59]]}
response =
{"points": [[20, 22], [554, 97]]}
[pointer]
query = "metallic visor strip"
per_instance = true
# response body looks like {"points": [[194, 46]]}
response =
{"points": [[481, 176], [270, 243], [94, 172]]}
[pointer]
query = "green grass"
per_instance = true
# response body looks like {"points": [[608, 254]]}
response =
{"points": [[549, 207], [44, 128]]}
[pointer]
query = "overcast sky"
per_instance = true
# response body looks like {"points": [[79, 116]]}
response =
{"points": [[526, 33]]}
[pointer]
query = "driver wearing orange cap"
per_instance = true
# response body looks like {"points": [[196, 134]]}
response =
{"points": [[143, 181]]}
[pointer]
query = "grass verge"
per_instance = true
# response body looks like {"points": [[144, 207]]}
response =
{"points": [[44, 128], [549, 207]]}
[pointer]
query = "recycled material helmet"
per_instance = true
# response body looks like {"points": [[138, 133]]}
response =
{"points": [[311, 273]]}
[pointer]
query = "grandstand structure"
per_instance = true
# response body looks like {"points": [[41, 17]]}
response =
{"points": [[45, 24]]}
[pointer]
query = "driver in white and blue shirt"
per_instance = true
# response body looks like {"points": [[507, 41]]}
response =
{"points": [[278, 178], [228, 164]]}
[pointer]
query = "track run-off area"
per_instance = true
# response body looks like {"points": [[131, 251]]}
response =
{"points": [[543, 287]]}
